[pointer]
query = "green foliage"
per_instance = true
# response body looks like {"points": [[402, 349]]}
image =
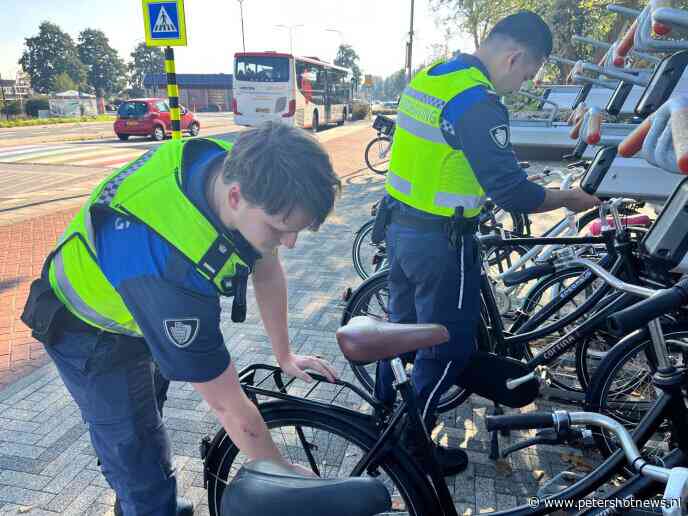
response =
{"points": [[53, 121], [394, 85], [348, 58], [63, 82], [144, 60], [105, 70], [34, 104], [360, 110], [566, 18], [49, 54], [12, 108]]}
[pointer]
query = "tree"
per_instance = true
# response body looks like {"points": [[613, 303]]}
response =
{"points": [[63, 82], [476, 17], [348, 58], [49, 54], [144, 60], [105, 70], [11, 108], [35, 104], [394, 84]]}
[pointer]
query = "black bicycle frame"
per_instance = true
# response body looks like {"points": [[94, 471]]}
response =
{"points": [[669, 405]]}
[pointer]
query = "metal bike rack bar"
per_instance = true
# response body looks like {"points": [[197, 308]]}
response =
{"points": [[671, 16], [624, 11], [645, 42]]}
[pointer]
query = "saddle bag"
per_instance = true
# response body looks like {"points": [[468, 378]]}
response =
{"points": [[486, 375], [42, 311], [382, 220]]}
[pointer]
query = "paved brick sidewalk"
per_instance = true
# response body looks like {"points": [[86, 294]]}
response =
{"points": [[47, 465]]}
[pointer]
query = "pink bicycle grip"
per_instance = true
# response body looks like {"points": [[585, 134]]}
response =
{"points": [[634, 141], [660, 28], [594, 133], [625, 45]]}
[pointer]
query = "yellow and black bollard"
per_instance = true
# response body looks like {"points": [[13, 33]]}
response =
{"points": [[173, 93]]}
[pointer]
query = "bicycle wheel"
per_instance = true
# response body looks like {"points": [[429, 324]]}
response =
{"points": [[372, 299], [377, 154], [368, 258], [564, 370], [332, 442], [622, 387]]}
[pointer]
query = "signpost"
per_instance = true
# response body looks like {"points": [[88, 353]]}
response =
{"points": [[165, 26]]}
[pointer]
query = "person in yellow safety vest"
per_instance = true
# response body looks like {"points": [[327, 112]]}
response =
{"points": [[130, 298], [451, 150]]}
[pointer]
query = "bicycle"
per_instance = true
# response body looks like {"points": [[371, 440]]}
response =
{"points": [[378, 149], [541, 334], [375, 435]]}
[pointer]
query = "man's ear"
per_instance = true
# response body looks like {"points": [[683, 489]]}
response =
{"points": [[234, 196], [514, 57]]}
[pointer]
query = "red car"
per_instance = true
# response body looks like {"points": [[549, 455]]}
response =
{"points": [[151, 117]]}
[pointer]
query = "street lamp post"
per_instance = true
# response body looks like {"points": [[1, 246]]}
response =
{"points": [[241, 8], [290, 28]]}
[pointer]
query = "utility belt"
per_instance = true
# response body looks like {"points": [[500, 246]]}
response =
{"points": [[47, 317], [455, 226]]}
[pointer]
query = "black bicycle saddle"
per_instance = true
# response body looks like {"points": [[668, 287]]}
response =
{"points": [[264, 488]]}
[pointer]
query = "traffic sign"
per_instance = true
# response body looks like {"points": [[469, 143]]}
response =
{"points": [[164, 22]]}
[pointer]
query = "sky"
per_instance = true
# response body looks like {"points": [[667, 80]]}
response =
{"points": [[377, 29]]}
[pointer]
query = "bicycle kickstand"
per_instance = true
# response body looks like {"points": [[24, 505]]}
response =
{"points": [[494, 440]]}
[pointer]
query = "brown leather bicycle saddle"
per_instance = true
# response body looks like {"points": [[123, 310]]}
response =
{"points": [[366, 339]]}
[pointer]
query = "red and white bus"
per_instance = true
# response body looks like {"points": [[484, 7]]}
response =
{"points": [[301, 91]]}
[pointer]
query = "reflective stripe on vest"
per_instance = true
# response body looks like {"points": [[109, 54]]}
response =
{"points": [[425, 172], [444, 199]]}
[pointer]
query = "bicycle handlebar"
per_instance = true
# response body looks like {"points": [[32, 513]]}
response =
{"points": [[520, 421], [561, 419], [638, 315], [530, 273]]}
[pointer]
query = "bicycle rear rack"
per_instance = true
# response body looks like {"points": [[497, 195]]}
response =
{"points": [[267, 381]]}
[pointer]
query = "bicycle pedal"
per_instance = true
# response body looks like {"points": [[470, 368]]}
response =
{"points": [[558, 483]]}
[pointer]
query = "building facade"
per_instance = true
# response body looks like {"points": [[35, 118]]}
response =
{"points": [[198, 92]]}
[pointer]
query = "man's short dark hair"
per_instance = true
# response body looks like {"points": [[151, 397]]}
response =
{"points": [[280, 167], [528, 30]]}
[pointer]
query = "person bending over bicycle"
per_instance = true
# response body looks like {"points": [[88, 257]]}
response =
{"points": [[130, 298], [451, 149]]}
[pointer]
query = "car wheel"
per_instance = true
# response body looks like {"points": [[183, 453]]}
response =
{"points": [[158, 133], [316, 122], [194, 129], [123, 137]]}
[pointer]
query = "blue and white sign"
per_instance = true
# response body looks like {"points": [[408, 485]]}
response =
{"points": [[164, 21]]}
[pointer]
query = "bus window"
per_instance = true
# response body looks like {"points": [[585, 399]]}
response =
{"points": [[339, 86], [310, 79], [262, 69]]}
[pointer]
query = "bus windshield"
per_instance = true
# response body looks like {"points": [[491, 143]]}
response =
{"points": [[262, 69]]}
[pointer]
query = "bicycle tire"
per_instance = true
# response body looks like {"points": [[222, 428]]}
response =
{"points": [[413, 487], [380, 167], [365, 267], [618, 359], [359, 304]]}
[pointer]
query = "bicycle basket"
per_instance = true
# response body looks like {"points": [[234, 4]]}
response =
{"points": [[384, 125]]}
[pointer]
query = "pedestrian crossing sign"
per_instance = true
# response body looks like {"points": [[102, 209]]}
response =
{"points": [[164, 22]]}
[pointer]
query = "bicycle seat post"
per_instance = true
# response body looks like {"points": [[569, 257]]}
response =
{"points": [[417, 426]]}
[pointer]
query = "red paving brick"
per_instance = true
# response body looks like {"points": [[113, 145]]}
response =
{"points": [[24, 246]]}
